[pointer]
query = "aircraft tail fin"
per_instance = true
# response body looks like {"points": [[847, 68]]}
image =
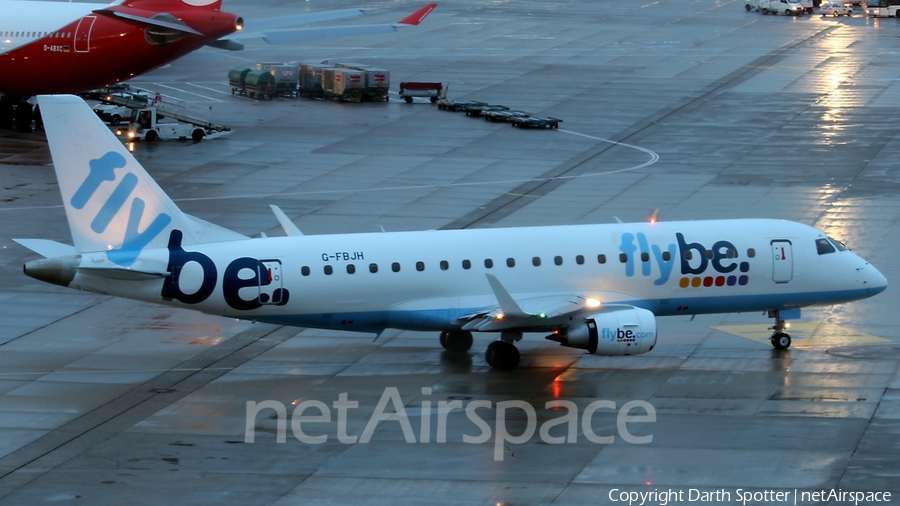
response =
{"points": [[111, 202]]}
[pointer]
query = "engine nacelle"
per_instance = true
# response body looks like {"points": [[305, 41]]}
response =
{"points": [[627, 331]]}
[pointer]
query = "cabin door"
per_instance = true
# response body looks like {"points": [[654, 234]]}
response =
{"points": [[83, 34], [783, 261]]}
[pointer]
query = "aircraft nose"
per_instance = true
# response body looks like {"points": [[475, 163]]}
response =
{"points": [[872, 279]]}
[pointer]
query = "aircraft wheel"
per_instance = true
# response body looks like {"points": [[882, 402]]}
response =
{"points": [[456, 341], [502, 356], [781, 341]]}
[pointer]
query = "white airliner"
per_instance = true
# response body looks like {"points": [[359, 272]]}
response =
{"points": [[593, 287]]}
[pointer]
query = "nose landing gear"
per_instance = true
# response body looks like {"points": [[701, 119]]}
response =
{"points": [[780, 340]]}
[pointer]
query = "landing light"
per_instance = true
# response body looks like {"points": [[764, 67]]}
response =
{"points": [[592, 302], [499, 316], [787, 325]]}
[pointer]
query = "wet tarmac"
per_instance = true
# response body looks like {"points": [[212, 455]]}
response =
{"points": [[696, 109]]}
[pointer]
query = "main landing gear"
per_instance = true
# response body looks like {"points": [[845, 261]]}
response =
{"points": [[501, 354], [780, 339], [456, 341]]}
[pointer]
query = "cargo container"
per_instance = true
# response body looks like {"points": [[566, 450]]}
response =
{"points": [[431, 91], [236, 77], [311, 78], [260, 83], [287, 77], [343, 84], [378, 82]]}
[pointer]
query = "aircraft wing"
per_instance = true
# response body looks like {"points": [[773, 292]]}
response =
{"points": [[532, 314], [284, 30]]}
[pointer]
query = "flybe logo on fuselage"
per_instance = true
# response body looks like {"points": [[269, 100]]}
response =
{"points": [[104, 169], [695, 261]]}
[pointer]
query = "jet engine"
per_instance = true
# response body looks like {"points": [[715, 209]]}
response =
{"points": [[626, 331]]}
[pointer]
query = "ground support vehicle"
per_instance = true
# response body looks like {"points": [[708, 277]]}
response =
{"points": [[311, 78], [260, 83], [884, 9], [375, 81], [754, 5], [236, 79], [343, 85], [111, 113], [477, 109], [431, 91], [535, 122], [146, 125], [503, 116], [287, 79], [835, 9], [457, 105], [786, 7]]}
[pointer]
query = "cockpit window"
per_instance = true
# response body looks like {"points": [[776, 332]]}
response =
{"points": [[837, 244], [823, 246]]}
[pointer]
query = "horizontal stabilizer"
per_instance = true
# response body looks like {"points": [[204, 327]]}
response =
{"points": [[288, 225], [47, 248], [148, 21], [227, 45]]}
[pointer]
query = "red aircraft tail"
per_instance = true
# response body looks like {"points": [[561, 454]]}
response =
{"points": [[416, 17]]}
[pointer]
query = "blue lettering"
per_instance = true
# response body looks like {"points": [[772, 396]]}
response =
{"points": [[718, 255], [178, 257], [114, 203], [665, 268], [102, 169], [136, 241], [684, 248]]}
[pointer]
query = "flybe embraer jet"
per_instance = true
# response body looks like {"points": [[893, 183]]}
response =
{"points": [[594, 287]]}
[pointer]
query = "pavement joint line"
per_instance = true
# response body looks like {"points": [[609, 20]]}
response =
{"points": [[74, 438]]}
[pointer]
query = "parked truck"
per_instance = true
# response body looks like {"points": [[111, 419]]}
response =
{"points": [[786, 7], [236, 79]]}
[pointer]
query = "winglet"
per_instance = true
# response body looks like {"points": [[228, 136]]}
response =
{"points": [[416, 17], [286, 223], [507, 303]]}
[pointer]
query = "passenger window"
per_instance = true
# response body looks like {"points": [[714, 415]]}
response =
{"points": [[623, 258], [750, 253], [420, 266], [687, 255], [666, 256], [823, 246], [395, 267], [601, 259], [488, 263], [645, 257], [536, 261], [579, 259], [467, 264], [351, 268], [328, 270], [373, 268], [730, 253], [709, 254], [304, 270], [444, 265], [557, 260], [510, 262]]}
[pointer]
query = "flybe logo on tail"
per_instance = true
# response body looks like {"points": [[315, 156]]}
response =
{"points": [[104, 169], [695, 260]]}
